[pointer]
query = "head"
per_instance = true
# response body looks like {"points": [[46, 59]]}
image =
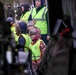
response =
{"points": [[25, 7], [21, 27], [10, 19], [39, 3], [9, 6], [35, 34], [30, 25]]}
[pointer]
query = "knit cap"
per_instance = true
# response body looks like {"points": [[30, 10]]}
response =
{"points": [[10, 19], [34, 31], [23, 27], [31, 23]]}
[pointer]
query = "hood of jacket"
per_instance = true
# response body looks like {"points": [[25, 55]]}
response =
{"points": [[26, 8], [23, 27]]}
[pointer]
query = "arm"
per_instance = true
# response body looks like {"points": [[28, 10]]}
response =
{"points": [[21, 42], [42, 47], [48, 25], [42, 50]]}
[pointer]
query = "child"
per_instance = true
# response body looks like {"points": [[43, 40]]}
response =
{"points": [[30, 25], [37, 47], [23, 38]]}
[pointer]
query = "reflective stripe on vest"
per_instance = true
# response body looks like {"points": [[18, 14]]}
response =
{"points": [[36, 53], [43, 11]]}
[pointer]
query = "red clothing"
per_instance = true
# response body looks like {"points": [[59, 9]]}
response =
{"points": [[35, 38], [42, 49]]}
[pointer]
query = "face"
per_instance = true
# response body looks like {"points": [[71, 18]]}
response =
{"points": [[22, 8], [32, 37], [30, 28], [38, 3]]}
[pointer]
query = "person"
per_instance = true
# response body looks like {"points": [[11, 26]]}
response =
{"points": [[10, 11], [23, 39], [39, 14], [25, 12], [13, 29], [37, 47], [10, 19], [18, 13], [30, 25]]}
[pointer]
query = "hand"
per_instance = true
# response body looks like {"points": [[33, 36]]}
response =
{"points": [[48, 37]]}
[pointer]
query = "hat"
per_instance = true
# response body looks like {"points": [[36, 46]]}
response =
{"points": [[31, 23], [23, 27], [9, 19], [34, 31]]}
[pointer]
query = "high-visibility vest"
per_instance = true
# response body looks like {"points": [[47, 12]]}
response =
{"points": [[16, 37], [25, 17], [13, 30], [28, 41], [35, 48], [40, 19]]}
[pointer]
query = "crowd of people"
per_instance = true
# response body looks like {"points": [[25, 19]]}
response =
{"points": [[31, 31]]}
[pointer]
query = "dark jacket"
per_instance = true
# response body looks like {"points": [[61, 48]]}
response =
{"points": [[21, 40]]}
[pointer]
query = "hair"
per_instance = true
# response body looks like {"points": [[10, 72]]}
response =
{"points": [[18, 31], [26, 8]]}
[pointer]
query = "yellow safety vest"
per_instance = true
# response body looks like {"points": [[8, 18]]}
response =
{"points": [[13, 30], [25, 17], [35, 48], [40, 19], [28, 41]]}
